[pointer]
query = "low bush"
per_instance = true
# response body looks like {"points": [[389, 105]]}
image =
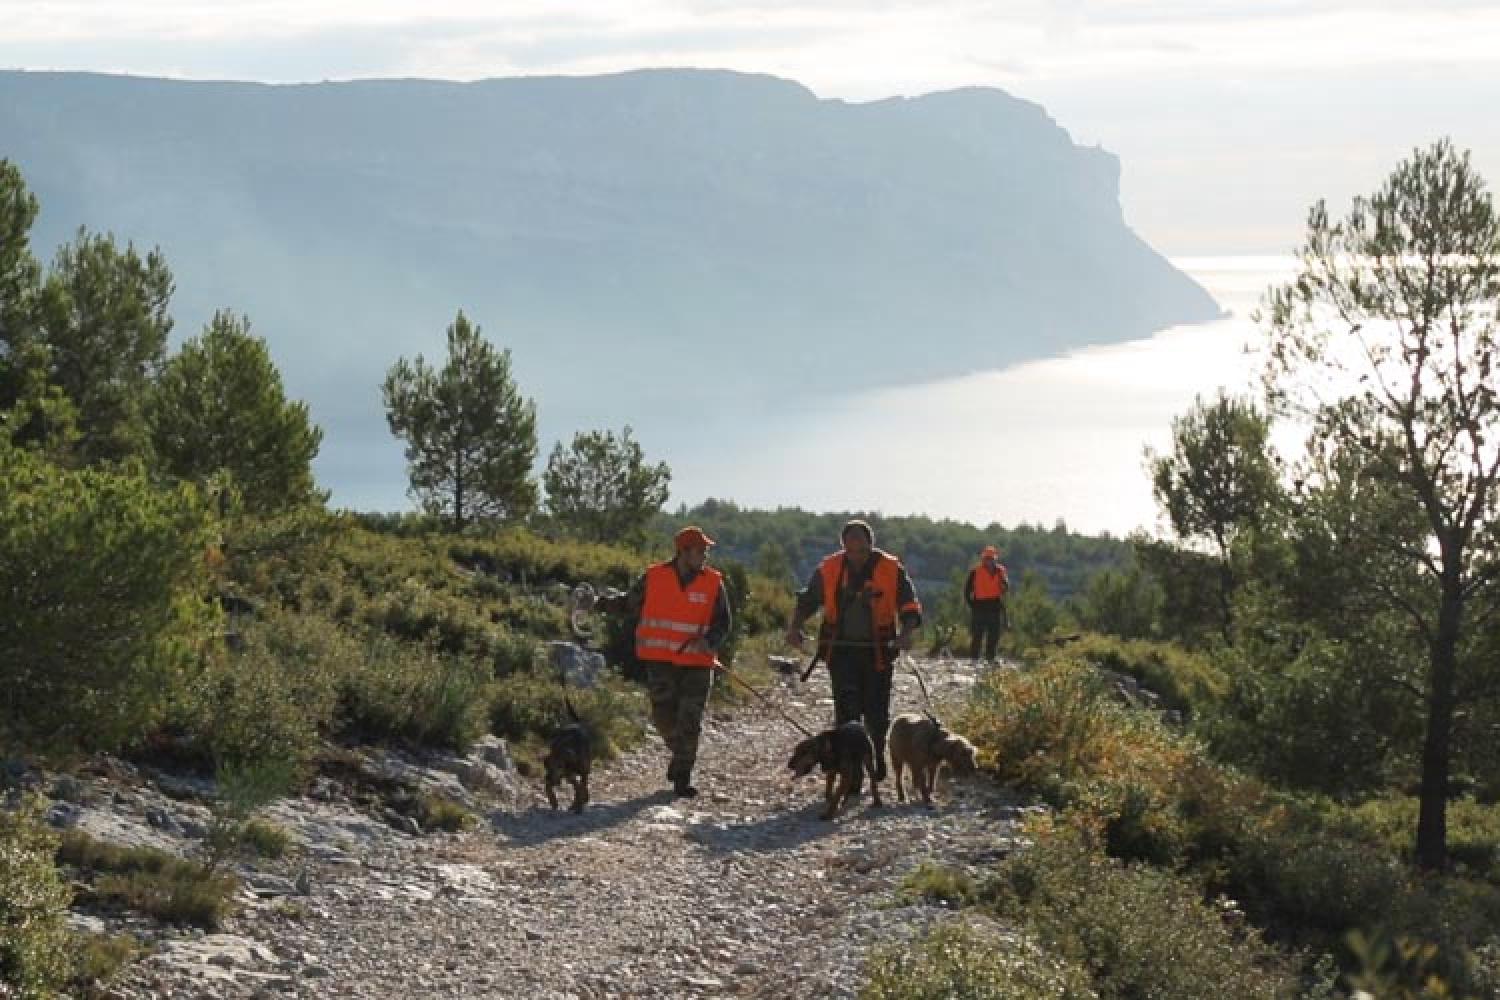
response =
{"points": [[1305, 715], [100, 578], [434, 812], [34, 938], [528, 708], [148, 881], [1473, 830], [1184, 680], [416, 694], [1091, 910], [522, 557], [929, 883], [1149, 790], [275, 698], [961, 960], [98, 958], [265, 839], [241, 790]]}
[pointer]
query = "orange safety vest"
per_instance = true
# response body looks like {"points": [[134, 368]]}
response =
{"points": [[673, 615], [883, 590], [990, 586]]}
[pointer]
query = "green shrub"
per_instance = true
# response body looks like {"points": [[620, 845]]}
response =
{"points": [[768, 605], [1125, 603], [528, 708], [1455, 921], [273, 700], [1473, 830], [148, 881], [1140, 931], [34, 938], [276, 556], [1313, 881], [1032, 615], [414, 611], [1150, 791], [1184, 680], [266, 839], [1041, 728], [98, 958], [435, 812], [955, 960], [415, 694], [195, 900], [930, 883], [1309, 718], [529, 559], [511, 652], [98, 577], [535, 616], [242, 788]]}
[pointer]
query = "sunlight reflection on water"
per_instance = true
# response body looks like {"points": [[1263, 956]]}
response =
{"points": [[1061, 438]]}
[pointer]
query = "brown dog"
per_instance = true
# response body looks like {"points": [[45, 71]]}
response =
{"points": [[845, 755], [921, 743], [570, 756]]}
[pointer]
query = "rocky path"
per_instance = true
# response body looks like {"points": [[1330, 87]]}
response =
{"points": [[741, 892]]}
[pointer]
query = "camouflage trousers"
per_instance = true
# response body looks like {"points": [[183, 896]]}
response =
{"points": [[678, 697], [862, 694]]}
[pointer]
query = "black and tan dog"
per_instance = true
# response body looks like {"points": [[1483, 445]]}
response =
{"points": [[846, 755], [570, 756], [922, 743]]}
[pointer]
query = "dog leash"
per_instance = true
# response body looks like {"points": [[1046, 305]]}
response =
{"points": [[820, 644], [718, 666], [866, 644]]}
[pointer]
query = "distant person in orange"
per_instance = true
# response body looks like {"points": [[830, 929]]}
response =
{"points": [[870, 616], [984, 593], [682, 615]]}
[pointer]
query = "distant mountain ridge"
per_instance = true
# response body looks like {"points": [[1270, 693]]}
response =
{"points": [[712, 233]]}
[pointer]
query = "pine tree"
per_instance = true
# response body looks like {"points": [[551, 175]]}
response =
{"points": [[219, 406], [470, 435]]}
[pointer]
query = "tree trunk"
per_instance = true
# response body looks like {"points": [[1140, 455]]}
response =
{"points": [[1226, 599], [1432, 819]]}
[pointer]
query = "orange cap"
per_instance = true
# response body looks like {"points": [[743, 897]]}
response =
{"points": [[692, 538]]}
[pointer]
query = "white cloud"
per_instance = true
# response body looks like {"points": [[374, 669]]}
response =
{"points": [[1230, 117], [839, 47]]}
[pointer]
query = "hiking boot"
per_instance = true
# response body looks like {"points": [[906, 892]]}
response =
{"points": [[683, 789], [880, 767]]}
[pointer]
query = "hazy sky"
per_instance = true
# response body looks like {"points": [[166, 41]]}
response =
{"points": [[1230, 117]]}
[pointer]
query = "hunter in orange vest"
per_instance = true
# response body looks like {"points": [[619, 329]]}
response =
{"points": [[984, 592], [682, 614], [870, 614]]}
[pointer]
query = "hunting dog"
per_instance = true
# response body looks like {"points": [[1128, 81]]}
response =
{"points": [[570, 756], [923, 744], [845, 755]]}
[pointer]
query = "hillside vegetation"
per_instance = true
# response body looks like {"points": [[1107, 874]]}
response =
{"points": [[1262, 751]]}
